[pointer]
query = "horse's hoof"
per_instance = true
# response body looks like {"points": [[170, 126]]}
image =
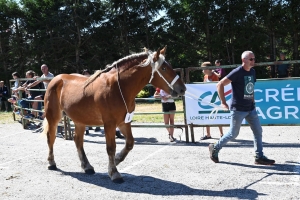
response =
{"points": [[52, 167], [89, 171], [119, 180]]}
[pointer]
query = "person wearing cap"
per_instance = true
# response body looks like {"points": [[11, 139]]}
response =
{"points": [[209, 76], [282, 70], [220, 72]]}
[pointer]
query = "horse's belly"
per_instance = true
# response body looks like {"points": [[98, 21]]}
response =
{"points": [[80, 107]]}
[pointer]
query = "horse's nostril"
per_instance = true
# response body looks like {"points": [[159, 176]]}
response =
{"points": [[182, 91]]}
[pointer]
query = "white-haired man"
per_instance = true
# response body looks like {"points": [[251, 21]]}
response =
{"points": [[46, 74], [242, 107]]}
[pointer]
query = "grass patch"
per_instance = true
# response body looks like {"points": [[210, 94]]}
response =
{"points": [[6, 117], [155, 107]]}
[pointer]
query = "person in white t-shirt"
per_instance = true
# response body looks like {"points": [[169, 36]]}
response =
{"points": [[46, 74], [168, 105]]}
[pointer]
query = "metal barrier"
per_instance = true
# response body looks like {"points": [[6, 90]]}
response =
{"points": [[191, 69]]}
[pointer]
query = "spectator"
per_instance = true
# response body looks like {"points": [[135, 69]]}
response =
{"points": [[46, 74], [14, 89], [32, 94], [242, 107], [168, 105], [15, 93], [220, 72], [157, 93], [3, 96], [209, 74], [282, 69], [271, 68], [208, 77]]}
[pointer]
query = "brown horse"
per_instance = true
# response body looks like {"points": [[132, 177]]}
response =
{"points": [[104, 99]]}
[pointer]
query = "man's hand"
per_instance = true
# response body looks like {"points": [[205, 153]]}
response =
{"points": [[35, 77], [225, 106]]}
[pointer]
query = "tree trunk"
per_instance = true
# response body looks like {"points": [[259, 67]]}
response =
{"points": [[125, 33], [295, 53], [146, 24], [78, 42], [208, 41]]}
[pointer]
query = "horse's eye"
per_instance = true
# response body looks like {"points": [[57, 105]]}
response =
{"points": [[164, 68]]}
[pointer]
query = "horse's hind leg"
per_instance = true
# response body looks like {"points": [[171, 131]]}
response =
{"points": [[50, 123], [78, 138], [110, 131], [126, 130]]}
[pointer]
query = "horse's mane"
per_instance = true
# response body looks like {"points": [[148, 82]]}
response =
{"points": [[93, 77]]}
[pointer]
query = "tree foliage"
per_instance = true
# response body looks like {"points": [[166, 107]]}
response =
{"points": [[72, 35]]}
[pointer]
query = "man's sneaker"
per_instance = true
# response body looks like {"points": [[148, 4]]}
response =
{"points": [[213, 153], [264, 161]]}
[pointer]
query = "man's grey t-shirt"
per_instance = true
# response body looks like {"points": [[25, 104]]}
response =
{"points": [[49, 75]]}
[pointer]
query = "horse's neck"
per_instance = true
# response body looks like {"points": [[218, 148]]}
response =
{"points": [[135, 80]]}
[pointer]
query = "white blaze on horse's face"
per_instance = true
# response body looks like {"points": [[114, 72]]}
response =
{"points": [[156, 65]]}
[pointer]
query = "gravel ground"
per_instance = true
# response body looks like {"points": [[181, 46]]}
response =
{"points": [[155, 168]]}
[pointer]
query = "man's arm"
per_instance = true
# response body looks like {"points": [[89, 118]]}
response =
{"points": [[34, 83], [220, 87], [216, 73]]}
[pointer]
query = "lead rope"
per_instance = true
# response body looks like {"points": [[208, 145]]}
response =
{"points": [[118, 77]]}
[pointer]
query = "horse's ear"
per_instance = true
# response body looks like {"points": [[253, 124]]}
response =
{"points": [[156, 56], [145, 49], [163, 51]]}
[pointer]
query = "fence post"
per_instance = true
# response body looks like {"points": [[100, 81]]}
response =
{"points": [[187, 140], [192, 132], [187, 75], [65, 127]]}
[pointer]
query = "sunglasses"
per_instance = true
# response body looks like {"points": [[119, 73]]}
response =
{"points": [[251, 59]]}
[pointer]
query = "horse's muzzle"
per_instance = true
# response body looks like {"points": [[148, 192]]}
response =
{"points": [[179, 90]]}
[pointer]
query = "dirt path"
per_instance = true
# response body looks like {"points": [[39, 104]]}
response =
{"points": [[155, 169]]}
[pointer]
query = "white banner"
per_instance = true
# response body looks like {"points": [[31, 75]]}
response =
{"points": [[198, 111]]}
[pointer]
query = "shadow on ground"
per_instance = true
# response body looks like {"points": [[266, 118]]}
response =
{"points": [[156, 186], [277, 167]]}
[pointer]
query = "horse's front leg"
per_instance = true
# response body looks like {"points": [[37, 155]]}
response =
{"points": [[110, 131], [78, 139], [126, 130]]}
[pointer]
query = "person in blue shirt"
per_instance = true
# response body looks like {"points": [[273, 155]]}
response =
{"points": [[242, 107], [282, 70]]}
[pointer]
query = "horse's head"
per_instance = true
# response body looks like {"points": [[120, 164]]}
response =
{"points": [[163, 75]]}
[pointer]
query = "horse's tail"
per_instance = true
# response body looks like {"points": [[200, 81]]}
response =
{"points": [[45, 127]]}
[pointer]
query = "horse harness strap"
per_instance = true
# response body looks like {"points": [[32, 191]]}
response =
{"points": [[156, 65]]}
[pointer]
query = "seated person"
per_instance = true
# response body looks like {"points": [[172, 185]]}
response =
{"points": [[32, 94]]}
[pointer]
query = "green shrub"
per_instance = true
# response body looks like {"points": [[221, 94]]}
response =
{"points": [[144, 93]]}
